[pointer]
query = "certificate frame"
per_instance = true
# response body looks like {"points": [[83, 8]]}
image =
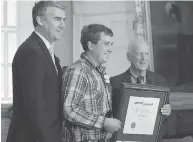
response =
{"points": [[140, 90]]}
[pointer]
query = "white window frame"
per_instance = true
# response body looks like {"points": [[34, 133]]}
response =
{"points": [[5, 29]]}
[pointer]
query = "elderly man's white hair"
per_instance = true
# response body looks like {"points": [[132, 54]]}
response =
{"points": [[135, 43]]}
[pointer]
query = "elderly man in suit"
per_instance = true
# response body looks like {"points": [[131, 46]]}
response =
{"points": [[139, 55], [37, 106]]}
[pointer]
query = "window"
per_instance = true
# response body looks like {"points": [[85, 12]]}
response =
{"points": [[8, 47]]}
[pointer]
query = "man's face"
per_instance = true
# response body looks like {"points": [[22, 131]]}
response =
{"points": [[54, 23], [140, 57], [103, 49]]}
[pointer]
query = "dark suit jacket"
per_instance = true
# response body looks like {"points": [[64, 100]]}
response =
{"points": [[152, 79], [37, 102]]}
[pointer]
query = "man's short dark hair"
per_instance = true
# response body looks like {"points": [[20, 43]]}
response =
{"points": [[92, 33], [40, 8]]}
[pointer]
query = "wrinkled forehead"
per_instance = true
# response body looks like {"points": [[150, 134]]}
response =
{"points": [[141, 47]]}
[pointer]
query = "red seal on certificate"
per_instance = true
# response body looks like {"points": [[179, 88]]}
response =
{"points": [[133, 125]]}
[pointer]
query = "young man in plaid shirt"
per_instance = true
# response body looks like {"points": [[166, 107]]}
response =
{"points": [[86, 88]]}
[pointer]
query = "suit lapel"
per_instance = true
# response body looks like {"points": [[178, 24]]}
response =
{"points": [[45, 50], [149, 78], [59, 69], [127, 77], [57, 62], [60, 73]]}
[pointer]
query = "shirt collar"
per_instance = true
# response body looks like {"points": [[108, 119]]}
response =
{"points": [[136, 75], [90, 62], [48, 45]]}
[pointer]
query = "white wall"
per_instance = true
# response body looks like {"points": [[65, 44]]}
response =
{"points": [[24, 20], [64, 46]]}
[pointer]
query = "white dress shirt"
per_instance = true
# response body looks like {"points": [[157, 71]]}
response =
{"points": [[49, 46]]}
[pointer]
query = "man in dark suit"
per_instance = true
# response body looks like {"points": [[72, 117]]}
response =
{"points": [[139, 56], [37, 106]]}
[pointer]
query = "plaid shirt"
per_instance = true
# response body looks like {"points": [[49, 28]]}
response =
{"points": [[87, 99]]}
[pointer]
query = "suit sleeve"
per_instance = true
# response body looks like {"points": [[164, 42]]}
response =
{"points": [[116, 96], [32, 73], [164, 83]]}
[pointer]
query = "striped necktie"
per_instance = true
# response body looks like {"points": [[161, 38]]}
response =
{"points": [[51, 50], [139, 79]]}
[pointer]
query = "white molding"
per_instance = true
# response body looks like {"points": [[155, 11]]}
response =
{"points": [[93, 8], [149, 34]]}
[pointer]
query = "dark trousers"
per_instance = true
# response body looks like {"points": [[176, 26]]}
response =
{"points": [[185, 58]]}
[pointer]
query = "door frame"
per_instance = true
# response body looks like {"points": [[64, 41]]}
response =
{"points": [[142, 21]]}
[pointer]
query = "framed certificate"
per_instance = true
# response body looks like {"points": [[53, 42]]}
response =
{"points": [[139, 112]]}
